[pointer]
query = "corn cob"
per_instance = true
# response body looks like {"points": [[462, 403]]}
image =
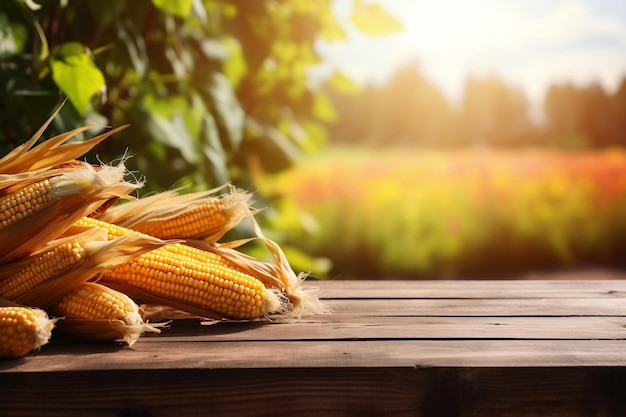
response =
{"points": [[40, 212], [29, 200], [303, 300], [18, 279], [168, 276], [23, 329], [212, 287], [168, 215], [13, 183], [115, 231], [279, 276], [205, 253], [191, 224], [59, 266], [94, 311]]}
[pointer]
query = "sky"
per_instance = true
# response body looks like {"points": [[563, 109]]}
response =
{"points": [[530, 44]]}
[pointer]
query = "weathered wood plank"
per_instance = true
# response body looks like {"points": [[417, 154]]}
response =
{"points": [[202, 392], [392, 392], [153, 354], [344, 326], [471, 289], [481, 307], [442, 348]]}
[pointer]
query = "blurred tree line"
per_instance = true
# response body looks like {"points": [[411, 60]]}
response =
{"points": [[411, 110]]}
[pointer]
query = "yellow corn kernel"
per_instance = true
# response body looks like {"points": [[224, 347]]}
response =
{"points": [[95, 311], [75, 191], [209, 281], [29, 200], [192, 224], [202, 255], [169, 215], [93, 301], [34, 270], [208, 286], [23, 329], [113, 230]]}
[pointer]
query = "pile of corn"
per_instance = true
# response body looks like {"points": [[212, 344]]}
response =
{"points": [[81, 256]]}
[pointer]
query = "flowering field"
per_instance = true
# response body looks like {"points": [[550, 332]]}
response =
{"points": [[413, 214]]}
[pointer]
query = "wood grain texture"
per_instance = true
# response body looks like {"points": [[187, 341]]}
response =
{"points": [[482, 307], [355, 327], [395, 348], [154, 354], [471, 289], [445, 392], [258, 392]]}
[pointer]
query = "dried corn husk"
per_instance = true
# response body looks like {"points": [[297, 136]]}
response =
{"points": [[101, 255], [52, 152], [78, 191], [85, 318], [146, 213]]}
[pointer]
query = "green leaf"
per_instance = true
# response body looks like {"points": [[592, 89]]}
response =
{"points": [[341, 83], [165, 123], [75, 73], [214, 151], [174, 133], [180, 8], [273, 148], [317, 137], [235, 67], [227, 110], [135, 46], [323, 108], [373, 19], [13, 36]]}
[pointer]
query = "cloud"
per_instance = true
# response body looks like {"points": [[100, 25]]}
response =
{"points": [[572, 22], [529, 43]]}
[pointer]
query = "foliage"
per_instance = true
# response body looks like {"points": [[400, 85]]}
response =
{"points": [[459, 213], [209, 87]]}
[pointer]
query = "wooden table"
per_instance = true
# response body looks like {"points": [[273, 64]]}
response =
{"points": [[431, 348]]}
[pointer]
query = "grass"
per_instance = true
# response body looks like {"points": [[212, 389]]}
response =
{"points": [[414, 214]]}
